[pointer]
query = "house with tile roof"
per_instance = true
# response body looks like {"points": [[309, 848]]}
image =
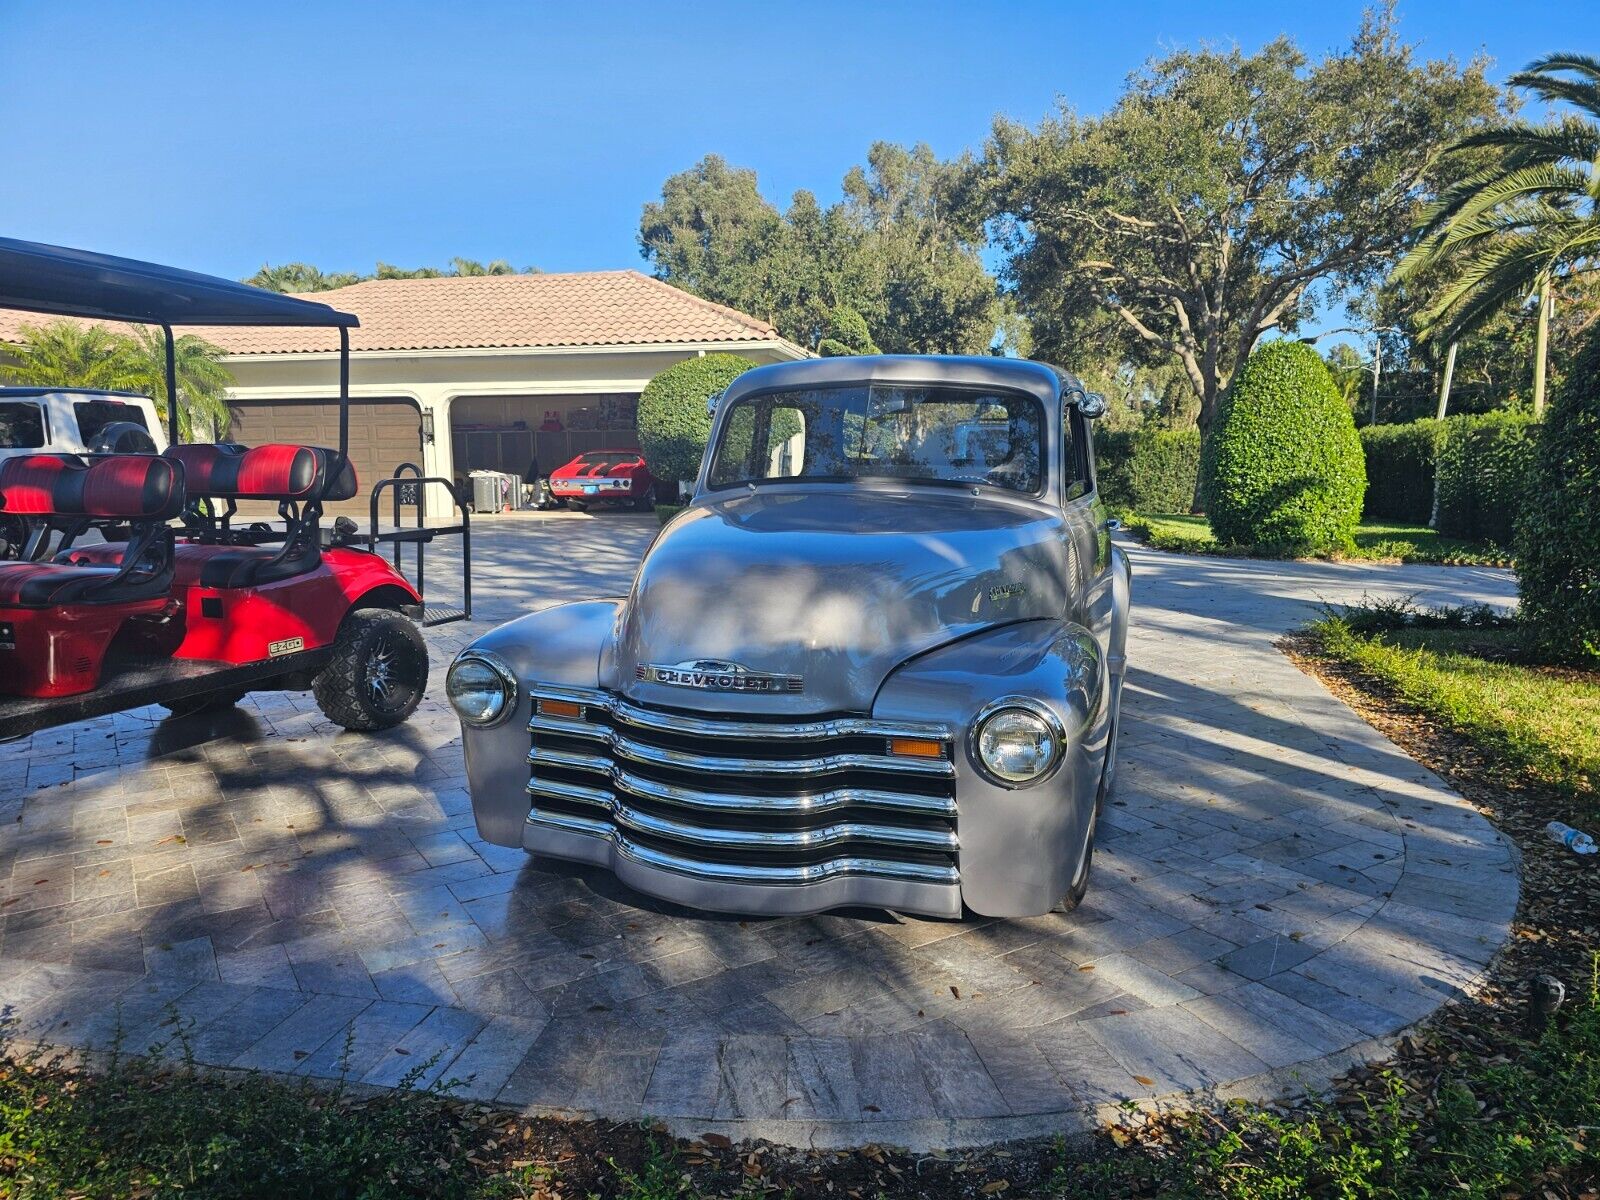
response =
{"points": [[466, 372]]}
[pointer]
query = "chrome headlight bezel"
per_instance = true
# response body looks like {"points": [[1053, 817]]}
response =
{"points": [[500, 671], [1046, 717]]}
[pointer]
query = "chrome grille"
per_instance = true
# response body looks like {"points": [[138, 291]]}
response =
{"points": [[773, 803]]}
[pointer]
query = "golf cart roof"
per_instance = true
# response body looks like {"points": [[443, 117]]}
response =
{"points": [[78, 283]]}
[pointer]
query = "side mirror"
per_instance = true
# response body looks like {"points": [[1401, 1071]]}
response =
{"points": [[711, 403], [1092, 405]]}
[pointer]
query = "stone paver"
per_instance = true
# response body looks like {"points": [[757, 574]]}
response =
{"points": [[1277, 890]]}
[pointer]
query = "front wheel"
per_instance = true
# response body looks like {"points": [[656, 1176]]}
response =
{"points": [[378, 673]]}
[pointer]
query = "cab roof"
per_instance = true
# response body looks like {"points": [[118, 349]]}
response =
{"points": [[64, 282], [1046, 382]]}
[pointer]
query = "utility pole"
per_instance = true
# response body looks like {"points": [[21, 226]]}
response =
{"points": [[1541, 344], [1377, 373], [1444, 388]]}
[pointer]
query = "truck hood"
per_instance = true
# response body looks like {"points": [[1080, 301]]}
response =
{"points": [[836, 585]]}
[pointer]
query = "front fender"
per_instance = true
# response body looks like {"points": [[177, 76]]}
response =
{"points": [[560, 645], [1019, 846]]}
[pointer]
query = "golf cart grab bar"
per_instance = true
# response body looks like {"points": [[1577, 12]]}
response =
{"points": [[409, 475]]}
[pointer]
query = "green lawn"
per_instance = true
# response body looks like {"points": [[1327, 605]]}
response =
{"points": [[1541, 722], [1375, 541]]}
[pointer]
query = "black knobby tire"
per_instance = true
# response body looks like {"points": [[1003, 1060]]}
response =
{"points": [[210, 703], [378, 673]]}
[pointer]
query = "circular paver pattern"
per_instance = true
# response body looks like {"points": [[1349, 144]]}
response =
{"points": [[1278, 890]]}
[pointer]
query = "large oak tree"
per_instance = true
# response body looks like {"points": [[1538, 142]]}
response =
{"points": [[897, 249], [1209, 203]]}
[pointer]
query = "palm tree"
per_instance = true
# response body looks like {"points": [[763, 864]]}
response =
{"points": [[67, 354], [1532, 215], [70, 354], [202, 380]]}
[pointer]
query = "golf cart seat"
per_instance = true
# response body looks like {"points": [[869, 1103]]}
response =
{"points": [[142, 490], [299, 478]]}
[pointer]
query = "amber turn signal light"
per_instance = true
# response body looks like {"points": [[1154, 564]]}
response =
{"points": [[560, 708], [916, 747]]}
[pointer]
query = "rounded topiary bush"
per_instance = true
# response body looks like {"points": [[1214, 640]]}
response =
{"points": [[1287, 467], [673, 422], [1558, 536], [847, 334]]}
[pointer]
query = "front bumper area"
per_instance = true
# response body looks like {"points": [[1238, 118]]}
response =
{"points": [[756, 817], [696, 884]]}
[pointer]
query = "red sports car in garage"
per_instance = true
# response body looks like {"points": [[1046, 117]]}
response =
{"points": [[605, 476]]}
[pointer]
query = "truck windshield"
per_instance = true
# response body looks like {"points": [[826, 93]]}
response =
{"points": [[936, 435]]}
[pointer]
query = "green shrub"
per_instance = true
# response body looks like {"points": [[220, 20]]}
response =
{"points": [[1484, 466], [1400, 466], [1558, 541], [673, 422], [1148, 470], [847, 334], [1288, 470]]}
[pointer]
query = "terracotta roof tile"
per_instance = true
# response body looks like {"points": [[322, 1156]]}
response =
{"points": [[593, 308]]}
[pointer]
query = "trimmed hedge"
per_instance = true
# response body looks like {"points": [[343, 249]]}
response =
{"points": [[847, 334], [1558, 539], [1148, 470], [673, 422], [1400, 466], [1484, 472], [1288, 471]]}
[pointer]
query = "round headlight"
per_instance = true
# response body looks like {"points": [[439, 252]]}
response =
{"points": [[481, 691], [1017, 746]]}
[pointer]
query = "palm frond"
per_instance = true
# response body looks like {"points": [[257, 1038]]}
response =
{"points": [[1578, 93], [1524, 143], [1582, 64]]}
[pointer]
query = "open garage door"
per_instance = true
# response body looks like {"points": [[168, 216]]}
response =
{"points": [[383, 434]]}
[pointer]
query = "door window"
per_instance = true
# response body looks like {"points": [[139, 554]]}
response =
{"points": [[21, 425]]}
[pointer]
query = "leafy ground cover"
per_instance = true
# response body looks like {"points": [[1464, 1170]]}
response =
{"points": [[1479, 1102], [1375, 541]]}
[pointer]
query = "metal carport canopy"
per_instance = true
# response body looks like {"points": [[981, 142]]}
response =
{"points": [[79, 283]]}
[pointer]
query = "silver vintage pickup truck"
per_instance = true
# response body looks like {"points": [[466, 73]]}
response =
{"points": [[876, 661]]}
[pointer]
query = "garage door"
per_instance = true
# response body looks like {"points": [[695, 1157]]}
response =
{"points": [[383, 434]]}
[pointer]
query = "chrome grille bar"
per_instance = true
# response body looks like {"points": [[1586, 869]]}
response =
{"points": [[772, 876], [839, 833]]}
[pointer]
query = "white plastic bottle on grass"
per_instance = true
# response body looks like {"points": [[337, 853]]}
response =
{"points": [[1573, 839]]}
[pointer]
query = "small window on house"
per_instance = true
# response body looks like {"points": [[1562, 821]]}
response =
{"points": [[21, 425]]}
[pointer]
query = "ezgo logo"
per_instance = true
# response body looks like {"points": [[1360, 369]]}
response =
{"points": [[286, 646]]}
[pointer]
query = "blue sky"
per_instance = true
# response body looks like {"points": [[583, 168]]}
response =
{"points": [[218, 136]]}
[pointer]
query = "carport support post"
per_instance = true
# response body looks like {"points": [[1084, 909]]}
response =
{"points": [[344, 393], [172, 386]]}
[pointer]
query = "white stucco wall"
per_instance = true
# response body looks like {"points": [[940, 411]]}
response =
{"points": [[435, 378]]}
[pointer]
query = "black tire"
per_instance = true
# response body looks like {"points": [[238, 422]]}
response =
{"points": [[578, 505], [212, 702], [646, 502], [353, 691]]}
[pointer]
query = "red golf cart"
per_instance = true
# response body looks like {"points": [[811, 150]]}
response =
{"points": [[137, 585]]}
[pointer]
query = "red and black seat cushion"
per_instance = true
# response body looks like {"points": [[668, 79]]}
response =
{"points": [[142, 489], [273, 472], [127, 487]]}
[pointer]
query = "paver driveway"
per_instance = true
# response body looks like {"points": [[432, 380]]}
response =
{"points": [[1278, 889]]}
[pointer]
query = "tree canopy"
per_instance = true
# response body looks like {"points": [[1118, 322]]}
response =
{"points": [[897, 249], [1209, 203], [303, 277], [71, 354]]}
